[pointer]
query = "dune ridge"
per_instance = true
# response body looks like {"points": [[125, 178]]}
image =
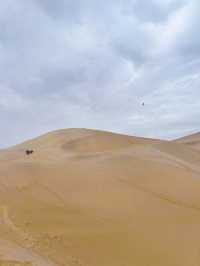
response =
{"points": [[95, 198], [191, 140]]}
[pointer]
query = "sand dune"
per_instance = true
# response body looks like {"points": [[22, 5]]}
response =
{"points": [[192, 140], [95, 198]]}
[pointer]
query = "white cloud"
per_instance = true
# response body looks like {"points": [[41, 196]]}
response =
{"points": [[10, 100], [68, 64]]}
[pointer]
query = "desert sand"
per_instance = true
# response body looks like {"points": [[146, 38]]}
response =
{"points": [[94, 198]]}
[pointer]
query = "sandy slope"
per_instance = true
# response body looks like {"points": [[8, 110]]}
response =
{"points": [[95, 198], [192, 140]]}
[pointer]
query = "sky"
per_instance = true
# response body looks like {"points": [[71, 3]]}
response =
{"points": [[92, 64]]}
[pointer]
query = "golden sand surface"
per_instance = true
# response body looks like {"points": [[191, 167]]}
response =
{"points": [[95, 198], [192, 140]]}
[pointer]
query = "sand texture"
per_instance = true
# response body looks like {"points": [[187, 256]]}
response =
{"points": [[94, 198]]}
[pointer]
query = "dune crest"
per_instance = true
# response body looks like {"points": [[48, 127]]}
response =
{"points": [[95, 198], [191, 140]]}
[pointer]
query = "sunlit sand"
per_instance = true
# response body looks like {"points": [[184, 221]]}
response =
{"points": [[94, 198]]}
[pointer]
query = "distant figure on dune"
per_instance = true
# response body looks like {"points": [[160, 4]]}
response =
{"points": [[28, 152], [142, 104]]}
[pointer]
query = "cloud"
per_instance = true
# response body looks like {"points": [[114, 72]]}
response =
{"points": [[92, 64], [155, 11]]}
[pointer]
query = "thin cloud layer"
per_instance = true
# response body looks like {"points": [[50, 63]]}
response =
{"points": [[92, 64]]}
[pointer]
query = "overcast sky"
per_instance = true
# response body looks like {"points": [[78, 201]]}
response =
{"points": [[91, 64]]}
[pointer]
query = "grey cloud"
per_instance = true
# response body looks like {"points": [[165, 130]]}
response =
{"points": [[91, 64], [188, 45], [155, 11]]}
